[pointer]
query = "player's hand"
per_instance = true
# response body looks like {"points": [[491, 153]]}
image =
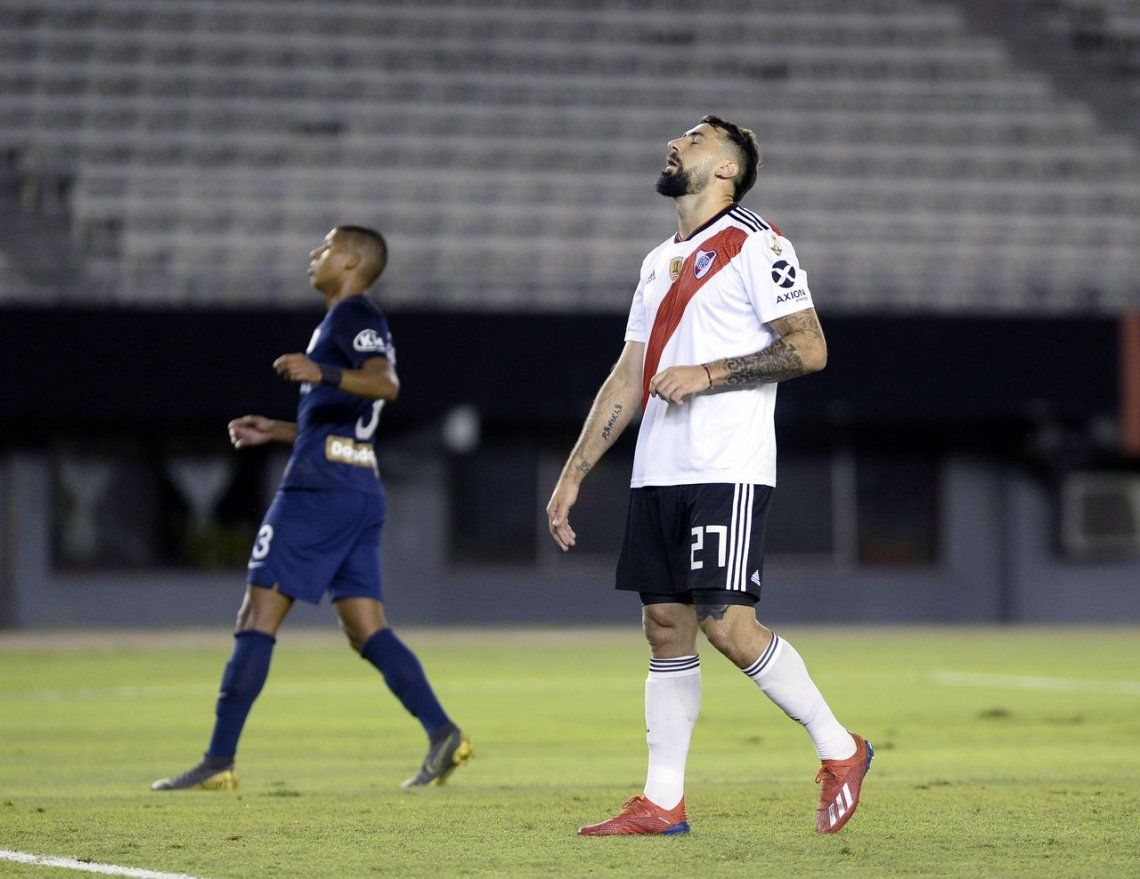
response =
{"points": [[677, 382], [297, 368], [558, 512], [251, 430]]}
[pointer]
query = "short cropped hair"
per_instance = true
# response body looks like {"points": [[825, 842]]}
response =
{"points": [[371, 247], [746, 144]]}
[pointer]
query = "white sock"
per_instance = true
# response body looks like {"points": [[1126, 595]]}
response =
{"points": [[672, 703], [782, 675]]}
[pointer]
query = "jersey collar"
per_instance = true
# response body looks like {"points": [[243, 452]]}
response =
{"points": [[677, 238]]}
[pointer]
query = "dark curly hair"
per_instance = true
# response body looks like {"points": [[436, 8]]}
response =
{"points": [[745, 142]]}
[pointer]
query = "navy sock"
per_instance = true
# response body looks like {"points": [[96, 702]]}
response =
{"points": [[243, 679], [405, 678]]}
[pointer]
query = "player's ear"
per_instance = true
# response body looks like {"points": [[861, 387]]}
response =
{"points": [[726, 170], [351, 259]]}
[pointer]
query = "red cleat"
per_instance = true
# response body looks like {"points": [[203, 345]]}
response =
{"points": [[640, 816], [842, 781]]}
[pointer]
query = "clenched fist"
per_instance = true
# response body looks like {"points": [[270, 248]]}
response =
{"points": [[297, 368]]}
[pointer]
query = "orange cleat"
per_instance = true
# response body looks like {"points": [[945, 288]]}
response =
{"points": [[842, 781], [640, 816]]}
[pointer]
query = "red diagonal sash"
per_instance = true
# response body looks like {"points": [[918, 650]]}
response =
{"points": [[726, 245]]}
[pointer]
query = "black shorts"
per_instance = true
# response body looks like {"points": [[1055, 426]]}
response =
{"points": [[681, 538]]}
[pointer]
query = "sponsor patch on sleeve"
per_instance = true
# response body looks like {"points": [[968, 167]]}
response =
{"points": [[371, 341]]}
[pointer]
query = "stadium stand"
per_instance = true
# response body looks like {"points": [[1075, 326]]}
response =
{"points": [[509, 149], [1106, 32]]}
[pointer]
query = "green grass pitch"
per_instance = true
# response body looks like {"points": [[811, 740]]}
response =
{"points": [[1000, 752]]}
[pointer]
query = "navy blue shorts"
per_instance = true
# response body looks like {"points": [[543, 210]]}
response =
{"points": [[314, 541], [705, 538]]}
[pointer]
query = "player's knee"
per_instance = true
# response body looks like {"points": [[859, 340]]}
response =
{"points": [[249, 621], [664, 630], [725, 636], [263, 610], [357, 636]]}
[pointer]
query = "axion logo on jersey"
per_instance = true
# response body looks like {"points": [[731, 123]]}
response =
{"points": [[783, 274], [793, 296], [705, 259], [675, 267], [369, 340]]}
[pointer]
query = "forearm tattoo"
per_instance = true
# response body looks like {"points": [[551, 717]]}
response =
{"points": [[582, 466], [608, 430], [776, 363], [779, 361]]}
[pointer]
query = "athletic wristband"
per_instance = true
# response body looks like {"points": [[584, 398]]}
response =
{"points": [[330, 375], [709, 374]]}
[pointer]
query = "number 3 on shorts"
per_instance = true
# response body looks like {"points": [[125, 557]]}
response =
{"points": [[261, 545]]}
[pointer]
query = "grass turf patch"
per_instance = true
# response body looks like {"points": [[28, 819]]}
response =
{"points": [[973, 776]]}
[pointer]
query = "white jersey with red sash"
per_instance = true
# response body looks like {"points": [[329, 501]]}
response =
{"points": [[708, 297]]}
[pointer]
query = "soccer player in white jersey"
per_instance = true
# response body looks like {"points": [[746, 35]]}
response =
{"points": [[721, 314]]}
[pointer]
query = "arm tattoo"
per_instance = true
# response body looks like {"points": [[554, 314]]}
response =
{"points": [[609, 428], [779, 361], [804, 322], [776, 363], [711, 611], [582, 466]]}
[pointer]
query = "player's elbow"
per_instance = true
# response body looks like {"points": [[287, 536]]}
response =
{"points": [[814, 357], [383, 385], [386, 391]]}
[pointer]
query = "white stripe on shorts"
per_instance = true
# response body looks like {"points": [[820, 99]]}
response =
{"points": [[742, 578], [732, 538], [738, 582]]}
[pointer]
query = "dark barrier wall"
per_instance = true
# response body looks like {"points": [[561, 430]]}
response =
{"points": [[984, 394], [121, 368]]}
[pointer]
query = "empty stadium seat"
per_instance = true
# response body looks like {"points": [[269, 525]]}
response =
{"points": [[509, 149]]}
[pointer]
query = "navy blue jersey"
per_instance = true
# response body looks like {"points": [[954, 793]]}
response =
{"points": [[335, 430]]}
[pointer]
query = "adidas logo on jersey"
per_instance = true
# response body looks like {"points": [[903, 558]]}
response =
{"points": [[705, 259], [755, 578]]}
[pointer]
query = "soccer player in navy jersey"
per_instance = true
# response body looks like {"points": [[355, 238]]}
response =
{"points": [[322, 531]]}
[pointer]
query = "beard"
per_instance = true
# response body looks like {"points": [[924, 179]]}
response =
{"points": [[680, 182]]}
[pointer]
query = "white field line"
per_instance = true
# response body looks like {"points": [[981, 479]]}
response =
{"points": [[87, 867], [1034, 682], [287, 689]]}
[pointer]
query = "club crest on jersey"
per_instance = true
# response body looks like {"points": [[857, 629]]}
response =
{"points": [[705, 259], [675, 267], [369, 340]]}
